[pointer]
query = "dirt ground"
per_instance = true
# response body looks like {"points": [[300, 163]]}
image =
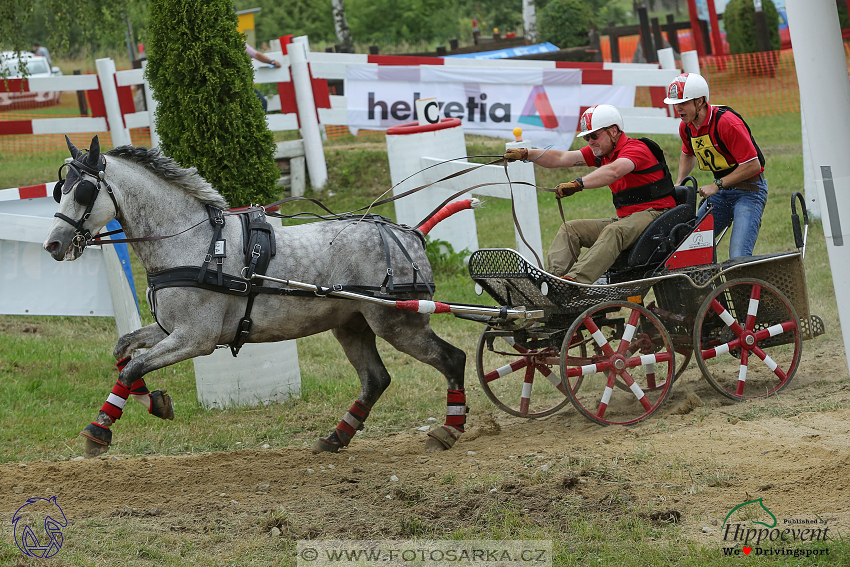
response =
{"points": [[696, 460]]}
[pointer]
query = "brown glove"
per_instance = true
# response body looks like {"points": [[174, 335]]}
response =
{"points": [[569, 188], [514, 154]]}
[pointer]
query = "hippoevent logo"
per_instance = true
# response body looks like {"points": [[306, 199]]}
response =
{"points": [[38, 527], [752, 525], [476, 109]]}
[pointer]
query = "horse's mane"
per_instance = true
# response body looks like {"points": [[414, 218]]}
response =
{"points": [[167, 169]]}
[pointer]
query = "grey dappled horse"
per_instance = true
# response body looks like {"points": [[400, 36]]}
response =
{"points": [[150, 195]]}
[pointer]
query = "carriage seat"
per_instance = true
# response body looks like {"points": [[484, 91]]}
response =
{"points": [[657, 241]]}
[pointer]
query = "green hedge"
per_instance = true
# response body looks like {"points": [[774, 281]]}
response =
{"points": [[739, 20], [565, 22], [208, 115]]}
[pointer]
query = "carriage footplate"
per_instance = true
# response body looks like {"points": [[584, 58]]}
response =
{"points": [[818, 326]]}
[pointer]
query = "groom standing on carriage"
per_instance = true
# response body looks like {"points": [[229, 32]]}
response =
{"points": [[638, 176]]}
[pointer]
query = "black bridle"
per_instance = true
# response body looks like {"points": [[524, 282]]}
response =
{"points": [[85, 194]]}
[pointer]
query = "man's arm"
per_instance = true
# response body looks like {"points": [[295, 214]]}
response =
{"points": [[607, 174], [557, 158], [686, 165], [259, 56]]}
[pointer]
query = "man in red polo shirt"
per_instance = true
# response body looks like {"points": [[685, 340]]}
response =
{"points": [[720, 141], [640, 183]]}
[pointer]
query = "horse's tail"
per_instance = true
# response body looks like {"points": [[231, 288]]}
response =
{"points": [[448, 211]]}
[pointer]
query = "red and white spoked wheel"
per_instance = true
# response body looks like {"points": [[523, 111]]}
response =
{"points": [[627, 367], [748, 337], [523, 382]]}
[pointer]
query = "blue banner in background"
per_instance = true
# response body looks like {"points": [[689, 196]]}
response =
{"points": [[510, 52]]}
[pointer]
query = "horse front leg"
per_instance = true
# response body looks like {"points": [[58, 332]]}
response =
{"points": [[158, 403], [178, 346]]}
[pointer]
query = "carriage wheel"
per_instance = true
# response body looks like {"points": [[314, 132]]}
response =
{"points": [[748, 335], [628, 368], [522, 382]]}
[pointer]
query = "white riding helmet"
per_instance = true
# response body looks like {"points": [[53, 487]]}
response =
{"points": [[598, 117], [685, 87]]}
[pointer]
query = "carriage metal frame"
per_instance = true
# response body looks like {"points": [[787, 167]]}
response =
{"points": [[614, 354]]}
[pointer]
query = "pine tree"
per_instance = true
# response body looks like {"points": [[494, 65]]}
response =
{"points": [[208, 115]]}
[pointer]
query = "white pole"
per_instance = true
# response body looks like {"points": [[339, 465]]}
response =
{"points": [[690, 62], [150, 104], [825, 99], [667, 60], [315, 153], [809, 188], [106, 74]]}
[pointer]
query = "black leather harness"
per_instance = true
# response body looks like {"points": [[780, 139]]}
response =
{"points": [[258, 249]]}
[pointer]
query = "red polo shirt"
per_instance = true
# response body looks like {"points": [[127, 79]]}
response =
{"points": [[640, 155]]}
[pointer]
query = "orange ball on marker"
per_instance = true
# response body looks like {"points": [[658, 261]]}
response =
{"points": [[518, 134]]}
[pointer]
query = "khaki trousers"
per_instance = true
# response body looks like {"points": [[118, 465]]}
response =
{"points": [[605, 239]]}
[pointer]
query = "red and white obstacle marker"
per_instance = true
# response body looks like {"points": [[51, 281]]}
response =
{"points": [[448, 211]]}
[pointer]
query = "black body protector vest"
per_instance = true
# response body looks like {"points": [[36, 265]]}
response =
{"points": [[706, 147], [650, 191]]}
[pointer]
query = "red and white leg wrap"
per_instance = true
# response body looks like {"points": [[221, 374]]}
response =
{"points": [[456, 409], [114, 405], [139, 390], [352, 421]]}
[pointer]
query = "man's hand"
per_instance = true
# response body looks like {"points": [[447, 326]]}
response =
{"points": [[567, 189], [707, 191], [515, 154]]}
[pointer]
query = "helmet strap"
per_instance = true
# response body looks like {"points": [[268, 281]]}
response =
{"points": [[613, 139]]}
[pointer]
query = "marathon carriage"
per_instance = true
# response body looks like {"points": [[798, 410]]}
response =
{"points": [[613, 349]]}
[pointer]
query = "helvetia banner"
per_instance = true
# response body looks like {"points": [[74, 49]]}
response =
{"points": [[545, 103]]}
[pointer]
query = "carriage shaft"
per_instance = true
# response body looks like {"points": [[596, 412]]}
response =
{"points": [[421, 306]]}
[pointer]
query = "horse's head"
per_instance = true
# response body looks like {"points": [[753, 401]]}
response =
{"points": [[80, 213]]}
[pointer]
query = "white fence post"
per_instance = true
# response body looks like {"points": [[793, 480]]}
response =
{"points": [[315, 153], [106, 73], [690, 62]]}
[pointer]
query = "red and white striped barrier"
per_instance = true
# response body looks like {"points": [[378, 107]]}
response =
{"points": [[28, 192]]}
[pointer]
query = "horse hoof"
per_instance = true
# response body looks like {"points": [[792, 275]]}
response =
{"points": [[325, 446], [161, 405], [94, 449], [98, 440], [441, 439]]}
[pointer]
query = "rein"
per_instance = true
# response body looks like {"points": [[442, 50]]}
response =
{"points": [[97, 239]]}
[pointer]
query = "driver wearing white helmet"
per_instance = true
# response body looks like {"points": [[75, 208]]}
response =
{"points": [[638, 177], [719, 140]]}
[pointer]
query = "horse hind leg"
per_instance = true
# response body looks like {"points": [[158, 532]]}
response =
{"points": [[358, 342], [411, 333]]}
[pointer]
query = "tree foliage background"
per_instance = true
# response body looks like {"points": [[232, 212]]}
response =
{"points": [[739, 20], [208, 115]]}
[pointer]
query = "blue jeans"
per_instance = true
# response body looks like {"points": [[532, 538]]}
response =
{"points": [[741, 209]]}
